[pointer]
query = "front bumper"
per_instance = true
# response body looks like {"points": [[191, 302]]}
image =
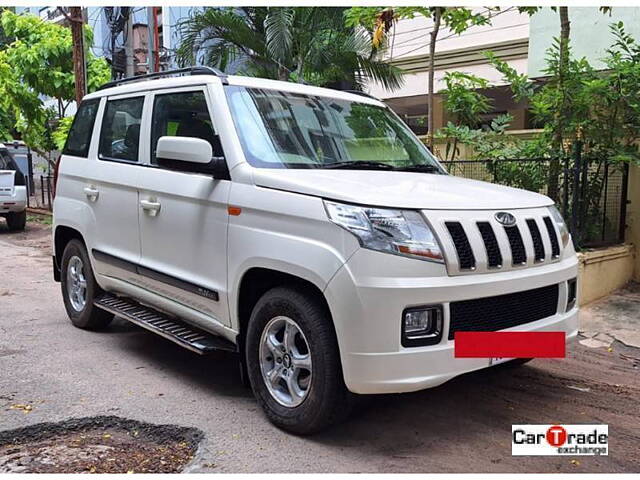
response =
{"points": [[14, 203], [369, 293]]}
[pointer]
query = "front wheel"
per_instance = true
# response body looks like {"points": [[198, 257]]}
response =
{"points": [[293, 361], [79, 289]]}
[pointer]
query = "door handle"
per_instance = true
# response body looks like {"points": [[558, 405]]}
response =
{"points": [[91, 192], [150, 206]]}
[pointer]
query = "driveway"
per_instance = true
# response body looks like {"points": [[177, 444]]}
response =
{"points": [[61, 372]]}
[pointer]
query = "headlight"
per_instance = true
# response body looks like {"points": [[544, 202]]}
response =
{"points": [[562, 227], [403, 232]]}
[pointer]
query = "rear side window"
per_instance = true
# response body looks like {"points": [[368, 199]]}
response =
{"points": [[120, 133], [6, 162], [183, 115], [79, 137]]}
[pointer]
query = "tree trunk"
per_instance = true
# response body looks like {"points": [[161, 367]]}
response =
{"points": [[79, 65], [437, 17], [555, 165]]}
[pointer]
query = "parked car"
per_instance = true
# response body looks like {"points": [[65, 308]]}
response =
{"points": [[13, 191], [304, 228]]}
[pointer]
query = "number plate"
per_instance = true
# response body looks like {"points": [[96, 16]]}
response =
{"points": [[497, 360]]}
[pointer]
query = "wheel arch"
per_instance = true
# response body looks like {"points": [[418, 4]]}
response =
{"points": [[61, 237], [256, 281]]}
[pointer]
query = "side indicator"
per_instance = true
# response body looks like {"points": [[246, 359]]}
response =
{"points": [[235, 211]]}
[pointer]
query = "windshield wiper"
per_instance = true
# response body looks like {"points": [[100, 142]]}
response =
{"points": [[419, 168], [359, 165]]}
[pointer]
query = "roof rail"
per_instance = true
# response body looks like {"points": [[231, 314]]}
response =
{"points": [[168, 73], [361, 93]]}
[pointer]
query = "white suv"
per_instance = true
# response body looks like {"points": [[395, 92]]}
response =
{"points": [[13, 191], [304, 228]]}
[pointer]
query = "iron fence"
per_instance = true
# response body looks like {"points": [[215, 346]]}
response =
{"points": [[591, 193], [41, 196]]}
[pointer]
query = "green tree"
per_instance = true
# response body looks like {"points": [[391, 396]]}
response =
{"points": [[465, 103], [381, 19], [38, 62], [302, 44]]}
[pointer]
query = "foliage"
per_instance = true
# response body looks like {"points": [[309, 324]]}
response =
{"points": [[60, 134], [301, 44], [465, 104], [463, 100], [597, 132], [519, 83], [457, 19], [39, 62], [382, 19], [603, 109]]}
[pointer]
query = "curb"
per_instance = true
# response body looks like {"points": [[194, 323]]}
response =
{"points": [[39, 211]]}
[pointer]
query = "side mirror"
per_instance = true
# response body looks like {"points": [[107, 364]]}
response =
{"points": [[190, 154], [184, 149]]}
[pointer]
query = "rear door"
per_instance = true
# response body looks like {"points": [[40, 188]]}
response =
{"points": [[183, 216], [108, 187]]}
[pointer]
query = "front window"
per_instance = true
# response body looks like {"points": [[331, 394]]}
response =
{"points": [[183, 114], [280, 129]]}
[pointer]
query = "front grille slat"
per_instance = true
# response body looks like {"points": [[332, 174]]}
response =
{"points": [[491, 314], [463, 248], [538, 246], [494, 256], [518, 253], [555, 246]]}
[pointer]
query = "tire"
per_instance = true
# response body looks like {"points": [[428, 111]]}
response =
{"points": [[17, 221], [326, 398], [84, 314]]}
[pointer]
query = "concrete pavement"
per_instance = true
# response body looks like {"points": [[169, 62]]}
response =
{"points": [[463, 426]]}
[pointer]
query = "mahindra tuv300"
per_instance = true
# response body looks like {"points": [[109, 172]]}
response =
{"points": [[304, 228]]}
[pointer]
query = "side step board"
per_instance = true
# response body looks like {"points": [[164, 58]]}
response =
{"points": [[183, 334]]}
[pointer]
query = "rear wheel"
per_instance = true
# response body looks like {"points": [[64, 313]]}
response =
{"points": [[17, 221], [79, 289], [293, 362]]}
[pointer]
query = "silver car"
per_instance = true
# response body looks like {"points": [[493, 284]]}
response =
{"points": [[13, 192]]}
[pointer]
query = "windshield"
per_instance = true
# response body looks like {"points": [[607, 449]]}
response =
{"points": [[280, 129]]}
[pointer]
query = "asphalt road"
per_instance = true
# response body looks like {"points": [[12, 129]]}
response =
{"points": [[463, 426]]}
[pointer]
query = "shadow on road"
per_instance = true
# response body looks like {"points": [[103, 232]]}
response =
{"points": [[219, 371]]}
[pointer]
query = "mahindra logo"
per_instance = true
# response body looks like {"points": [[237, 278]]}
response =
{"points": [[505, 219]]}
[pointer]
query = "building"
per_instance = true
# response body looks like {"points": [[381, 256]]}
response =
{"points": [[117, 29], [522, 41]]}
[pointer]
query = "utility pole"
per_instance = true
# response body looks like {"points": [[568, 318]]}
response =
{"points": [[128, 46], [156, 40], [79, 61], [151, 21]]}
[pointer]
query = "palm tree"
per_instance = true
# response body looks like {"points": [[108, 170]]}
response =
{"points": [[302, 44]]}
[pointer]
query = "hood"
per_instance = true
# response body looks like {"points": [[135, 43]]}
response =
{"points": [[399, 189]]}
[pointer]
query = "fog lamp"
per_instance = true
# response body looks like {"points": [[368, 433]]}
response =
{"points": [[421, 326]]}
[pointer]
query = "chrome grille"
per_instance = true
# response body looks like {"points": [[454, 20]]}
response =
{"points": [[494, 257], [555, 246], [467, 260], [538, 246], [518, 252], [475, 241]]}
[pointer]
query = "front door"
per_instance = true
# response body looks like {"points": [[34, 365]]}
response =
{"points": [[183, 216]]}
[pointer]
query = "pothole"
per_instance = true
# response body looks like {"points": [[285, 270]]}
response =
{"points": [[98, 445]]}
